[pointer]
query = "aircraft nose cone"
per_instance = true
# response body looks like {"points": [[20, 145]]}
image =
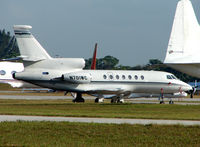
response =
{"points": [[187, 87]]}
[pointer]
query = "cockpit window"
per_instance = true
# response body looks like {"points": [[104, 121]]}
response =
{"points": [[169, 77], [104, 76]]}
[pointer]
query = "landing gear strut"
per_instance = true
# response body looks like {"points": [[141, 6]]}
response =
{"points": [[162, 101], [79, 98], [162, 97], [171, 101]]}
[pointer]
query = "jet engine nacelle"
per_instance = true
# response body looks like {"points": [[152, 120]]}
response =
{"points": [[26, 76], [77, 77]]}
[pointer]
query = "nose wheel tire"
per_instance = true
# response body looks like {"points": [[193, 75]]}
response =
{"points": [[171, 102]]}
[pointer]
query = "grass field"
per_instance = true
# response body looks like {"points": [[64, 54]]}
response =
{"points": [[90, 109], [83, 134]]}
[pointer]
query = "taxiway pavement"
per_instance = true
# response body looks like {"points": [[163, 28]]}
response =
{"points": [[37, 97], [178, 101], [13, 118]]}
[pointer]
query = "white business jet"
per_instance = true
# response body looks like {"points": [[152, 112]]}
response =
{"points": [[136, 95], [67, 74], [183, 52]]}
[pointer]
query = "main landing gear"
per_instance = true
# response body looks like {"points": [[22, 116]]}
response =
{"points": [[118, 99], [99, 100], [79, 98]]}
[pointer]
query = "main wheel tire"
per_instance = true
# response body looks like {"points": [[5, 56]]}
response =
{"points": [[96, 100]]}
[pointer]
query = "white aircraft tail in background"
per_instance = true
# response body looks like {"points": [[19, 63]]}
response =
{"points": [[184, 43]]}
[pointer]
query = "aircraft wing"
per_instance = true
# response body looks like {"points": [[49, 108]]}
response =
{"points": [[122, 94], [13, 83], [117, 90]]}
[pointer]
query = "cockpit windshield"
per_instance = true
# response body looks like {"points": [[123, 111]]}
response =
{"points": [[171, 77]]}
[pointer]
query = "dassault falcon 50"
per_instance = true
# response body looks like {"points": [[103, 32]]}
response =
{"points": [[67, 74]]}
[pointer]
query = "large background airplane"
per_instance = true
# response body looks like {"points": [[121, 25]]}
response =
{"points": [[67, 74], [184, 43]]}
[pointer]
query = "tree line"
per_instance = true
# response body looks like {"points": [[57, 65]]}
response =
{"points": [[9, 49], [112, 63], [8, 46]]}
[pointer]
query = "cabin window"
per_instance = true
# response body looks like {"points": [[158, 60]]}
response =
{"points": [[111, 77], [123, 77], [130, 77], [117, 77], [136, 77], [2, 72], [104, 76], [169, 77], [142, 77]]}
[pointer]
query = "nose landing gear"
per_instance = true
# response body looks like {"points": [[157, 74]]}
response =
{"points": [[162, 97]]}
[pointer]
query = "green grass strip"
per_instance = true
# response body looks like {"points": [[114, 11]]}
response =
{"points": [[90, 109], [84, 134]]}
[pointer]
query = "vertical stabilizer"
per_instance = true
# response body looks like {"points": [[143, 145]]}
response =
{"points": [[184, 42], [93, 66], [30, 49]]}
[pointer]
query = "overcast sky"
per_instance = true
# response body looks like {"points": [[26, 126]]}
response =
{"points": [[134, 31]]}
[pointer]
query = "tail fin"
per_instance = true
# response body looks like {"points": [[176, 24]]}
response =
{"points": [[93, 66], [30, 49], [184, 42]]}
